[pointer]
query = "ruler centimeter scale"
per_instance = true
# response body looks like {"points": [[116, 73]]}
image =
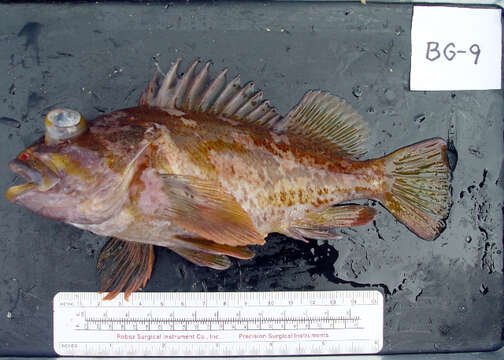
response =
{"points": [[219, 323]]}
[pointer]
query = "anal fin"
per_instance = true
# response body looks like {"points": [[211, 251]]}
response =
{"points": [[239, 252], [203, 258], [318, 225], [124, 266], [208, 253]]}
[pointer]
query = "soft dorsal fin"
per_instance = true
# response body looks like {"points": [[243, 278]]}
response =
{"points": [[196, 91], [328, 120]]}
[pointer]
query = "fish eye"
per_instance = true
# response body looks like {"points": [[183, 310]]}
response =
{"points": [[63, 124]]}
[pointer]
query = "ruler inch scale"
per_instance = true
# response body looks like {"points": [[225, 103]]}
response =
{"points": [[219, 323]]}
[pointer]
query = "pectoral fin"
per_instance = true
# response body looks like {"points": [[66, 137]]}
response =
{"points": [[318, 225], [204, 208], [124, 266]]}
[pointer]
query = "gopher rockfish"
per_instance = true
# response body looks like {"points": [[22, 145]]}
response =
{"points": [[206, 167]]}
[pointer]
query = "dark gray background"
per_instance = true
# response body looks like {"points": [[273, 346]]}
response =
{"points": [[441, 296]]}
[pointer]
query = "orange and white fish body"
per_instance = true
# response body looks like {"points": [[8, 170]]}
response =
{"points": [[206, 167]]}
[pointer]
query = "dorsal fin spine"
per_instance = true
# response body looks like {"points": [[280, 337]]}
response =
{"points": [[210, 94], [182, 85], [148, 94], [250, 105], [238, 99], [230, 89], [268, 116], [169, 80], [262, 109], [273, 121], [196, 87]]}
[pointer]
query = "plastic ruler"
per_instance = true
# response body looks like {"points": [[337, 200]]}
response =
{"points": [[219, 323]]}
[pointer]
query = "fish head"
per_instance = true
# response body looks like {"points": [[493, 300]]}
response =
{"points": [[80, 176]]}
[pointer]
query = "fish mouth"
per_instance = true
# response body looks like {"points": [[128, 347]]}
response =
{"points": [[35, 173], [29, 173]]}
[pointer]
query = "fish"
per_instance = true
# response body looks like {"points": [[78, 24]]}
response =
{"points": [[207, 167]]}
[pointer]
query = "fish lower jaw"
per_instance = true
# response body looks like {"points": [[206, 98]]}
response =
{"points": [[15, 191]]}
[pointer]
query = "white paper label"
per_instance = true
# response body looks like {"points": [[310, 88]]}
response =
{"points": [[455, 48]]}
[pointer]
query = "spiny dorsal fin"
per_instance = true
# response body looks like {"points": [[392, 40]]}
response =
{"points": [[327, 119], [196, 91]]}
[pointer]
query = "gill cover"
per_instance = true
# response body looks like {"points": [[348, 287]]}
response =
{"points": [[63, 124]]}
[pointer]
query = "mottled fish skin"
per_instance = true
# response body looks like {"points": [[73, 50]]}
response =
{"points": [[275, 178]]}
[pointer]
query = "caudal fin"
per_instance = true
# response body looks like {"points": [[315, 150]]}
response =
{"points": [[418, 187]]}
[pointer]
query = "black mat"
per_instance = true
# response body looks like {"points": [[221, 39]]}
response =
{"points": [[445, 295]]}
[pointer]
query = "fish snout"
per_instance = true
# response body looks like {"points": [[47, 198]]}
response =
{"points": [[35, 172], [30, 174]]}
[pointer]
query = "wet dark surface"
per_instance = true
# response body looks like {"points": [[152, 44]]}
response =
{"points": [[445, 295]]}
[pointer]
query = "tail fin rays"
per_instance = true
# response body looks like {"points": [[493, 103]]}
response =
{"points": [[418, 191]]}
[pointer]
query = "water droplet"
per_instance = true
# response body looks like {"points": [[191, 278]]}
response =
{"points": [[420, 118], [10, 122], [419, 292], [483, 289], [390, 95], [389, 112], [452, 154], [357, 91]]}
